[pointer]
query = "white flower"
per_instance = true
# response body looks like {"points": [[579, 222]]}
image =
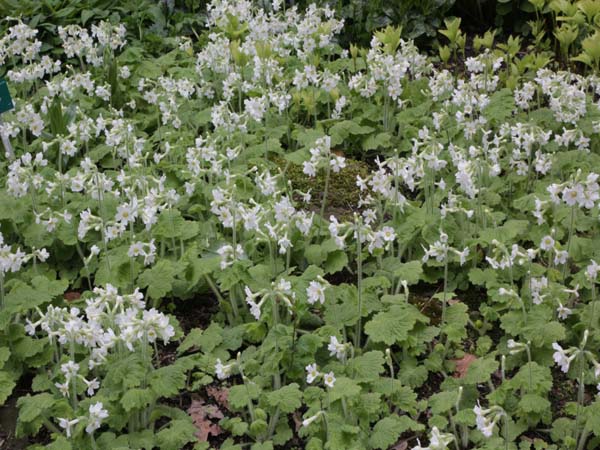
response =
{"points": [[337, 163], [315, 292], [484, 424], [561, 357], [67, 425], [336, 348], [92, 386], [514, 347], [439, 440], [222, 371], [563, 311], [462, 256], [97, 413], [592, 270], [312, 373], [388, 234], [309, 168], [329, 379], [306, 422], [547, 243]]}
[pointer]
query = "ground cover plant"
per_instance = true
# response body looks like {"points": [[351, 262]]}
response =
{"points": [[396, 251]]}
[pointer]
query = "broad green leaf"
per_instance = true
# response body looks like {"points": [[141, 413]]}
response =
{"points": [[7, 384], [480, 370], [456, 322], [137, 398], [288, 398], [387, 431], [241, 394], [158, 279], [166, 381], [206, 340], [32, 407], [176, 435], [367, 367], [393, 326]]}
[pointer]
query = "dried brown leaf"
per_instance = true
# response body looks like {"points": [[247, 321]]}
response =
{"points": [[202, 416], [462, 365], [401, 445], [71, 296], [220, 395]]}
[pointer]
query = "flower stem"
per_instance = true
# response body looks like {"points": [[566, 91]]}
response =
{"points": [[325, 191], [359, 288]]}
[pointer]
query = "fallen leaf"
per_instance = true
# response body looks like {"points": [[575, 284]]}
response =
{"points": [[402, 445], [71, 296], [462, 365], [297, 417], [220, 395], [202, 416]]}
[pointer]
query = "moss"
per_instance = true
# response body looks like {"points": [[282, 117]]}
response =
{"points": [[343, 196]]}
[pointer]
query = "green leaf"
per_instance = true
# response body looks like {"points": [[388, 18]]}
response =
{"points": [[387, 431], [483, 277], [124, 372], [412, 373], [541, 378], [410, 272], [592, 414], [288, 398], [505, 233], [500, 106], [167, 381], [367, 367], [393, 326], [479, 371], [374, 141], [533, 403], [206, 340], [158, 279], [32, 407], [342, 130], [7, 384], [335, 261], [241, 394], [23, 297], [4, 355], [170, 224], [456, 322], [176, 435], [344, 387], [137, 399], [442, 401]]}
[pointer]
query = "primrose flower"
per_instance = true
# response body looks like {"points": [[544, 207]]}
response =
{"points": [[486, 419], [437, 441], [592, 270], [563, 312], [336, 348], [316, 292], [306, 422], [329, 379], [562, 358], [223, 371], [547, 243], [96, 414], [312, 373], [67, 425]]}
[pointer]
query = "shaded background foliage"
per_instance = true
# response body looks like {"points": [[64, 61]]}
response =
{"points": [[151, 20]]}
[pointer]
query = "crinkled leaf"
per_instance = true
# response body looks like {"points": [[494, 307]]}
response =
{"points": [[137, 398], [393, 326], [288, 398]]}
